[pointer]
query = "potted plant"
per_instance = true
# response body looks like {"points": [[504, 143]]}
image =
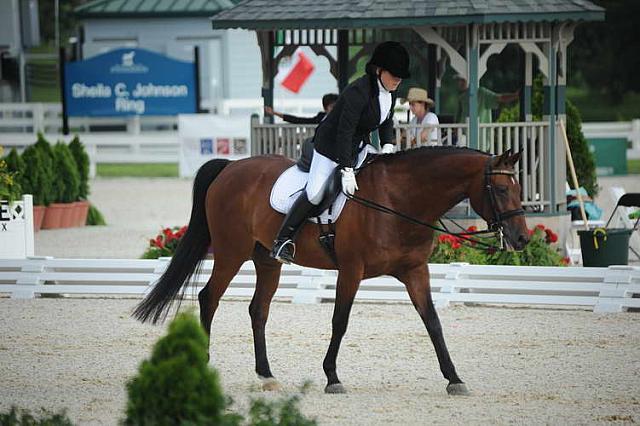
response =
{"points": [[68, 182], [81, 159], [37, 182], [50, 188]]}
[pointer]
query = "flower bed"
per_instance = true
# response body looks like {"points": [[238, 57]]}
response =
{"points": [[541, 250], [165, 243]]}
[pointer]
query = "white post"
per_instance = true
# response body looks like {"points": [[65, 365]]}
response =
{"points": [[309, 286], [30, 277], [27, 204], [614, 289], [455, 272]]}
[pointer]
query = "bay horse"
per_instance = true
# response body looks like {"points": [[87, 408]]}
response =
{"points": [[231, 213]]}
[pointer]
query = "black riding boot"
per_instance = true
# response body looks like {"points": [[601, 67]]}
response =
{"points": [[284, 248]]}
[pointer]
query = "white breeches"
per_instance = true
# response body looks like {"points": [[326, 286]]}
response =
{"points": [[319, 173]]}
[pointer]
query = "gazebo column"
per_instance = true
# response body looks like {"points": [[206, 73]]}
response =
{"points": [[473, 59], [266, 44], [343, 59], [552, 159], [525, 99]]}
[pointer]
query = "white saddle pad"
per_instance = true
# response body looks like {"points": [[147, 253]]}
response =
{"points": [[293, 180]]}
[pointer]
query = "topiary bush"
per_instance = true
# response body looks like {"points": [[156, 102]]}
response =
{"points": [[583, 158], [66, 174], [38, 178], [176, 386], [81, 159]]}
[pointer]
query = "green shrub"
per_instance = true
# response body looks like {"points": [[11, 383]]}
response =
{"points": [[583, 159], [176, 386], [9, 184], [16, 417], [66, 174], [15, 164], [81, 158], [36, 179], [94, 217], [284, 412], [540, 251]]}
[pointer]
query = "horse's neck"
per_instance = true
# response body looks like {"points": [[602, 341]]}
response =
{"points": [[439, 184]]}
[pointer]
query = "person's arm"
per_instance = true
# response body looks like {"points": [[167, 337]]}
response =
{"points": [[270, 111], [303, 120], [505, 98], [354, 103]]}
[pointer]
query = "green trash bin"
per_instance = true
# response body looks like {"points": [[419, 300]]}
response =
{"points": [[604, 247]]}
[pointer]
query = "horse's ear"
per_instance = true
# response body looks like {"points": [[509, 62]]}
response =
{"points": [[502, 159], [514, 158]]}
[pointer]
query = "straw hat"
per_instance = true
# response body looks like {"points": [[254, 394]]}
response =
{"points": [[417, 94]]}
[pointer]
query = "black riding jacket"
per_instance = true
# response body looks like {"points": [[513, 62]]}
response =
{"points": [[353, 117]]}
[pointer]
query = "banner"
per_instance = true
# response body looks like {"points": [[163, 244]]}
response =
{"points": [[204, 137], [129, 82]]}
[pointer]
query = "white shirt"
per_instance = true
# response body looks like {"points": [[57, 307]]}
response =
{"points": [[384, 97], [433, 135]]}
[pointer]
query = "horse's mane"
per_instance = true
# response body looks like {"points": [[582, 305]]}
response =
{"points": [[432, 152]]}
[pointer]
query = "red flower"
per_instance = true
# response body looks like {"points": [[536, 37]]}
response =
{"points": [[540, 227], [159, 242], [472, 228], [565, 260], [551, 237], [455, 245]]}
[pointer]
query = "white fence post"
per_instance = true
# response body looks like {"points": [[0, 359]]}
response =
{"points": [[614, 289], [309, 286], [454, 273], [30, 276]]}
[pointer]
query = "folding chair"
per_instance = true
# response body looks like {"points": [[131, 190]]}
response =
{"points": [[631, 199]]}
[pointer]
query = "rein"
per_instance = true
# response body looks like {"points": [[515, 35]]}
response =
{"points": [[495, 227]]}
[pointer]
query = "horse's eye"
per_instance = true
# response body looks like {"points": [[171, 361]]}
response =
{"points": [[502, 190]]}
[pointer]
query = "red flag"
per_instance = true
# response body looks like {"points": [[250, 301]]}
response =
{"points": [[298, 74]]}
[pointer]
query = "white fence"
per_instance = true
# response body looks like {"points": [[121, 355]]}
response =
{"points": [[612, 289], [629, 130]]}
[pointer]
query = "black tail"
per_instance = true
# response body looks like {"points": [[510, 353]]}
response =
{"points": [[191, 250]]}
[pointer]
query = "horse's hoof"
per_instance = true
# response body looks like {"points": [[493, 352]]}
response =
{"points": [[335, 388], [270, 384], [458, 389]]}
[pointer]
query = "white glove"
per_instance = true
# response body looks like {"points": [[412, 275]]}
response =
{"points": [[388, 148], [349, 184]]}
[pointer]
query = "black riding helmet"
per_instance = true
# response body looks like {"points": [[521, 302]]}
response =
{"points": [[393, 57]]}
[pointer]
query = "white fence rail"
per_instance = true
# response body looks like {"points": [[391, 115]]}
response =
{"points": [[629, 130], [612, 289]]}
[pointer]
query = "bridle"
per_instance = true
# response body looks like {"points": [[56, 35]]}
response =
{"points": [[496, 225]]}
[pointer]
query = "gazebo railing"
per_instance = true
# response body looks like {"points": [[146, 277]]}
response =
{"points": [[529, 138]]}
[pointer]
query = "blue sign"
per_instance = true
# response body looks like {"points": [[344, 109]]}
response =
{"points": [[129, 82]]}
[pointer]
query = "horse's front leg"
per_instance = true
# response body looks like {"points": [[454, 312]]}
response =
{"points": [[417, 282], [346, 288]]}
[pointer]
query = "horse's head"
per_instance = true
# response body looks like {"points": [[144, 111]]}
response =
{"points": [[497, 199]]}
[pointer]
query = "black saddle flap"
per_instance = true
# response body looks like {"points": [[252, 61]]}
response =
{"points": [[306, 155]]}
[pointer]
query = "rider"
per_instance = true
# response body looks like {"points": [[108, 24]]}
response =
{"points": [[363, 106]]}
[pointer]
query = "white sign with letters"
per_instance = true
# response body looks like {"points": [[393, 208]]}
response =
{"points": [[16, 228]]}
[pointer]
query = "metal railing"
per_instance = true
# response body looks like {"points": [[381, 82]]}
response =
{"points": [[282, 139]]}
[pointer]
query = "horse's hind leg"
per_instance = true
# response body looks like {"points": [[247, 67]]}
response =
{"points": [[224, 269], [417, 282], [268, 277]]}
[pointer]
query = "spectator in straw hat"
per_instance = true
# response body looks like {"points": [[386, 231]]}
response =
{"points": [[424, 132]]}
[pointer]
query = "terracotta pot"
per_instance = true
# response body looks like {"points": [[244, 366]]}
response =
{"points": [[53, 216], [68, 218], [82, 210], [38, 216]]}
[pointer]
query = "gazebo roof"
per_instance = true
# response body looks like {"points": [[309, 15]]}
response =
{"points": [[152, 8], [345, 14]]}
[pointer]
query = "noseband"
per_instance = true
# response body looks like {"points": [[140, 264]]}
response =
{"points": [[498, 218]]}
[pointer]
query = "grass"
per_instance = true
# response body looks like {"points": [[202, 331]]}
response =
{"points": [[137, 170], [633, 167]]}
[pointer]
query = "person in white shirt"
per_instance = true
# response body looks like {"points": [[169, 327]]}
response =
{"points": [[424, 133]]}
